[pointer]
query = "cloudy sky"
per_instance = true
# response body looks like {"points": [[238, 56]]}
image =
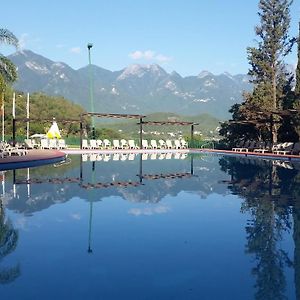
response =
{"points": [[186, 36]]}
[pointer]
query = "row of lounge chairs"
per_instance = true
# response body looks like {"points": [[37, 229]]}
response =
{"points": [[131, 156], [267, 147], [9, 150], [45, 144], [130, 144]]}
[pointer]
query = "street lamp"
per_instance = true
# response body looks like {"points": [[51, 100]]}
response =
{"points": [[89, 46]]}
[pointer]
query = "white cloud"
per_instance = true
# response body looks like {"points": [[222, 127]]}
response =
{"points": [[59, 46], [149, 55], [76, 50], [149, 211], [76, 216]]}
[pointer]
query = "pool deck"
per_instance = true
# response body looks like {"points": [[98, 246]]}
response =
{"points": [[266, 155]]}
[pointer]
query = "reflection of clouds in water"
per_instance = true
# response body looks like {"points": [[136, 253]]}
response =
{"points": [[76, 216], [21, 223], [149, 211]]}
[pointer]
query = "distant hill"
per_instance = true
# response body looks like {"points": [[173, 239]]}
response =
{"points": [[208, 125], [136, 89]]}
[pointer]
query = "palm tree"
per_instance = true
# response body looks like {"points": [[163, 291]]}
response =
{"points": [[8, 72]]}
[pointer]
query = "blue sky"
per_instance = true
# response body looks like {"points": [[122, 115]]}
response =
{"points": [[186, 36]]}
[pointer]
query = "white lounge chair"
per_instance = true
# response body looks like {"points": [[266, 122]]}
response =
{"points": [[61, 144], [93, 144], [153, 144], [145, 144], [162, 144], [85, 144], [169, 144], [106, 144], [116, 144], [45, 144], [132, 144], [184, 144], [28, 143], [124, 144], [144, 156], [52, 144], [177, 144], [99, 144]]}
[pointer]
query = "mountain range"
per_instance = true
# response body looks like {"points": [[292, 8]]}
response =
{"points": [[141, 89]]}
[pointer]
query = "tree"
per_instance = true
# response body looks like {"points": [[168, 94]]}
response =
{"points": [[8, 72], [297, 88], [268, 72]]}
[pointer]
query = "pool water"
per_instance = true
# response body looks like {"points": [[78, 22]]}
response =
{"points": [[151, 227]]}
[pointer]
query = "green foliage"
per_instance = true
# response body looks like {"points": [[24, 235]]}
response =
{"points": [[272, 90], [42, 107], [297, 87], [106, 133], [207, 126], [8, 72]]}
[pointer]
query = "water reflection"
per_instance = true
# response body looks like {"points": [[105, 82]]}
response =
{"points": [[8, 243], [268, 190]]}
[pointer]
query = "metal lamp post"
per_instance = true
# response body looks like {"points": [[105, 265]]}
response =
{"points": [[89, 46]]}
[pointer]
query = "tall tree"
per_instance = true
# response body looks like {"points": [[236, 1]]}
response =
{"points": [[8, 72], [297, 88], [268, 72]]}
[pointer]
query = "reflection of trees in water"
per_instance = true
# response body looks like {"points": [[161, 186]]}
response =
{"points": [[8, 243], [268, 193]]}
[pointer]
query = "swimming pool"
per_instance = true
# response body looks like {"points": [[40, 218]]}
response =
{"points": [[107, 226]]}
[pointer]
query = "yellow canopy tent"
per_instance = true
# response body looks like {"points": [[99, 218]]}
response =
{"points": [[53, 132]]}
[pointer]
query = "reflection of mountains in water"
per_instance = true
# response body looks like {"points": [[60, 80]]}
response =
{"points": [[49, 185]]}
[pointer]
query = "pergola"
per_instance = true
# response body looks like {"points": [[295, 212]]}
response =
{"points": [[108, 115], [161, 123]]}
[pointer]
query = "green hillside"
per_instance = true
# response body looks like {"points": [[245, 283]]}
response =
{"points": [[207, 126]]}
